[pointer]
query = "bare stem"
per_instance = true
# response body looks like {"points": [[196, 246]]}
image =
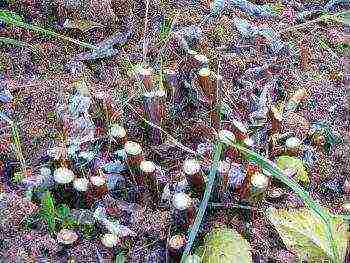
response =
{"points": [[145, 41]]}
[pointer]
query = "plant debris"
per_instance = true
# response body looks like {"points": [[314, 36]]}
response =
{"points": [[174, 131]]}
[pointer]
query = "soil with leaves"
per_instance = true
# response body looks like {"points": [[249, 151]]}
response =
{"points": [[241, 109]]}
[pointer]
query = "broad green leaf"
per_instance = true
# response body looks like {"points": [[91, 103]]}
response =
{"points": [[286, 162], [226, 246], [304, 232]]}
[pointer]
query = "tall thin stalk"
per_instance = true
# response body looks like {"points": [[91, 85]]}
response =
{"points": [[145, 40]]}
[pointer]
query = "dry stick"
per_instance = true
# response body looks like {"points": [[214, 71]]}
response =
{"points": [[207, 87], [319, 19], [144, 51], [218, 97]]}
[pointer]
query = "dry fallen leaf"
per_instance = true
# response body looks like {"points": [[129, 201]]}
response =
{"points": [[305, 233], [81, 24]]}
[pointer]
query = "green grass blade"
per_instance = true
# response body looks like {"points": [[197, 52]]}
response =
{"points": [[48, 210], [18, 149], [204, 203], [14, 19]]}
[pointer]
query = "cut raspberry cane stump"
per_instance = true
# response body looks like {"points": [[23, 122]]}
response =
{"points": [[197, 61], [80, 186], [221, 190], [148, 170], [194, 175], [67, 237], [192, 64], [209, 89], [276, 120], [110, 241], [98, 188], [255, 185], [172, 86], [185, 211], [176, 246], [240, 131], [293, 146], [154, 106], [135, 156], [145, 75], [119, 136], [227, 137], [63, 190]]}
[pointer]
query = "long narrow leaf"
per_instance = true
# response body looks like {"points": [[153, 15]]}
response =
{"points": [[204, 203], [18, 149], [13, 19]]}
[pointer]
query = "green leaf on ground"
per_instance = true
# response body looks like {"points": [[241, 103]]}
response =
{"points": [[225, 246]]}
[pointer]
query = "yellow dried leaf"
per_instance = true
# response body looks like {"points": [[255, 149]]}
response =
{"points": [[305, 233]]}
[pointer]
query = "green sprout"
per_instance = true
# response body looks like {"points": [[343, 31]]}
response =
{"points": [[165, 29]]}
